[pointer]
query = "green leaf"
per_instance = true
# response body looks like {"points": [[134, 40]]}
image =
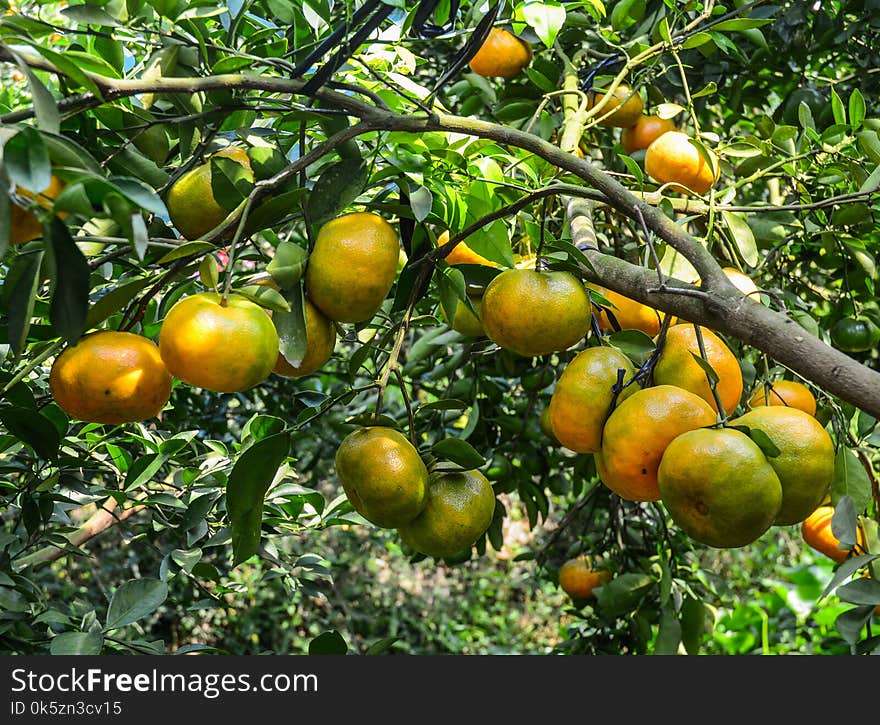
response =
{"points": [[32, 428], [844, 522], [695, 41], [336, 188], [837, 108], [741, 24], [635, 344], [846, 570], [851, 622], [291, 327], [230, 182], [133, 601], [143, 469], [249, 481], [77, 643], [856, 109], [264, 296], [89, 15], [69, 67], [26, 160], [546, 18], [209, 274], [850, 479], [287, 264], [453, 289], [459, 452], [860, 591], [707, 368], [19, 295], [381, 645], [328, 643], [668, 633], [187, 249], [70, 288], [623, 593], [421, 201], [694, 623], [743, 237], [663, 28], [45, 107]]}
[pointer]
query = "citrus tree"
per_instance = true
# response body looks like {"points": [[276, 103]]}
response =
{"points": [[283, 270]]}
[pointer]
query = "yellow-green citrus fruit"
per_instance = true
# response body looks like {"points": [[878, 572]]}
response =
{"points": [[805, 464], [718, 487], [458, 510], [582, 397], [320, 342], [383, 475], [535, 313], [352, 267], [226, 348]]}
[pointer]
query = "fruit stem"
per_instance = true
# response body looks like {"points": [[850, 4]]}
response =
{"points": [[233, 247], [722, 413]]}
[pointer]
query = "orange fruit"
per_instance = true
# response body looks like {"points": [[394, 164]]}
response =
{"points": [[630, 315], [190, 201], [462, 254], [502, 55], [673, 159], [458, 509], [676, 366], [535, 313], [637, 433], [805, 464], [623, 110], [817, 533], [644, 132], [546, 426], [582, 397], [352, 266], [740, 280], [320, 342], [789, 393], [718, 487], [222, 348], [578, 579], [24, 226], [465, 321], [383, 475], [110, 377]]}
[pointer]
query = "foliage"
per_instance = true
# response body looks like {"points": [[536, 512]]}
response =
{"points": [[780, 92]]}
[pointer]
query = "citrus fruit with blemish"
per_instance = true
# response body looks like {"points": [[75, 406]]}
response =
{"points": [[352, 266], [718, 487], [191, 204], [578, 579], [805, 464], [644, 132], [459, 507], [320, 343], [24, 226], [110, 377], [535, 313], [673, 159], [637, 433], [502, 55], [225, 347], [382, 475], [789, 393], [622, 109], [817, 533], [629, 314], [676, 366], [583, 394]]}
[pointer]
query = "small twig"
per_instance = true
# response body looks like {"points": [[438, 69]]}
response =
{"points": [[722, 413], [409, 411]]}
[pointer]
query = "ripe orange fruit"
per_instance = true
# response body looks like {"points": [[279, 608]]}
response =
{"points": [[190, 201], [502, 55], [719, 487], [535, 313], [816, 530], [805, 464], [465, 321], [352, 266], [644, 132], [110, 377], [458, 509], [463, 254], [789, 393], [623, 110], [222, 348], [676, 366], [24, 226], [578, 579], [320, 342], [673, 159], [637, 433], [630, 315], [383, 475], [582, 397]]}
